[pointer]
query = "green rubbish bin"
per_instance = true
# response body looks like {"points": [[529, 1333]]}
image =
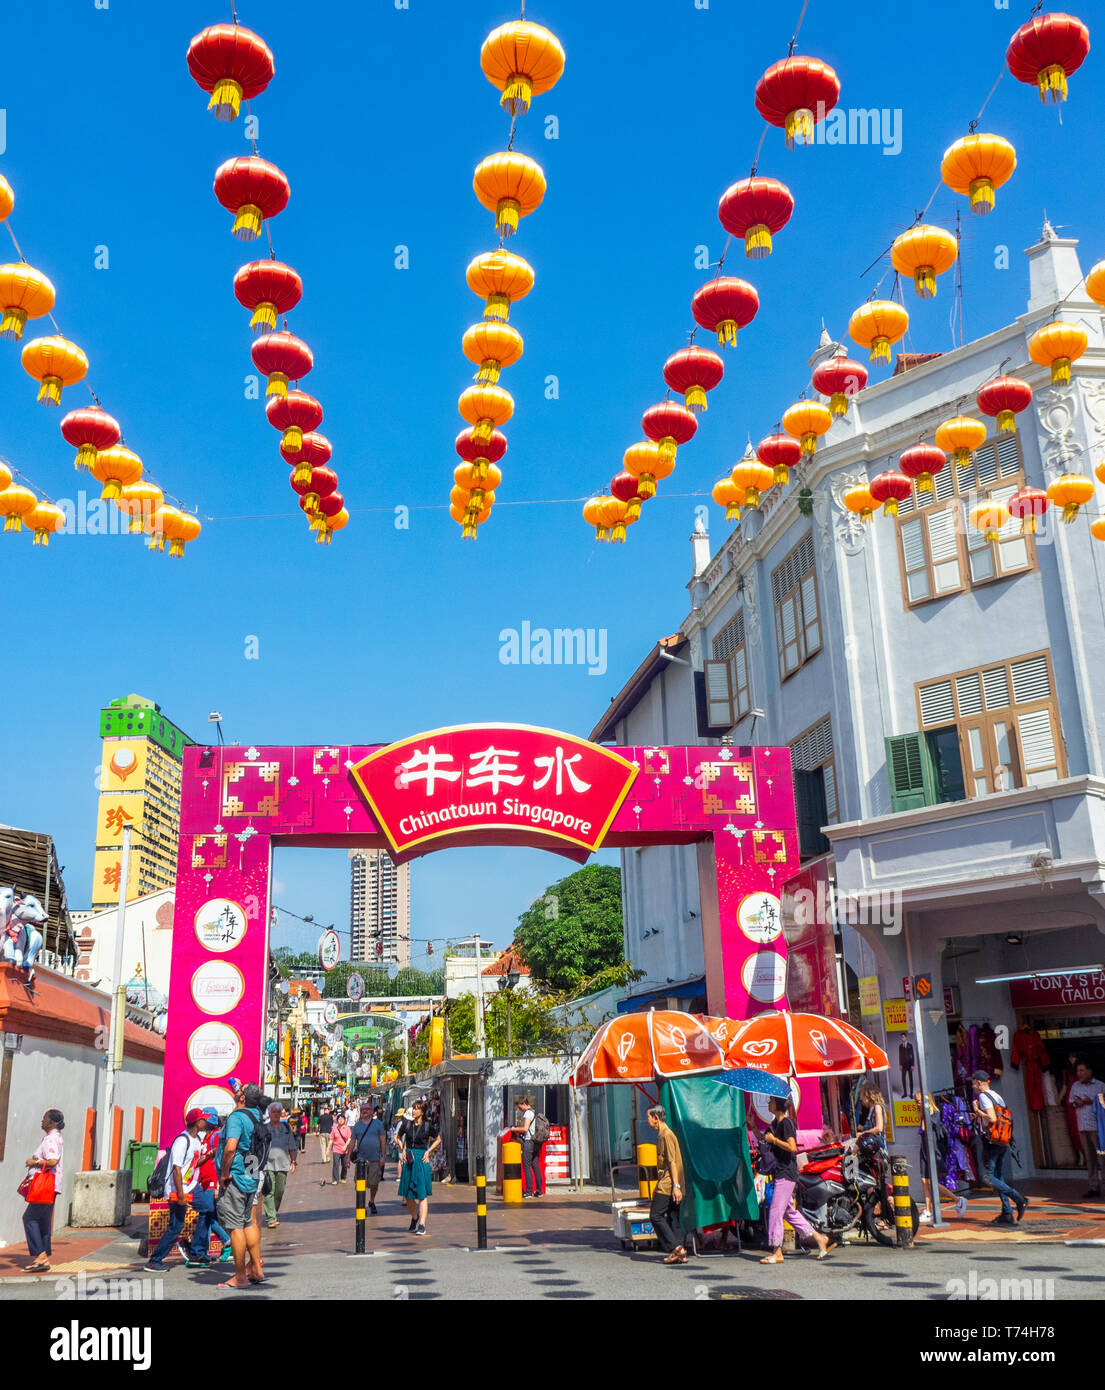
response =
{"points": [[141, 1160]]}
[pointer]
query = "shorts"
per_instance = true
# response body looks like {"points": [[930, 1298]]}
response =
{"points": [[234, 1208], [373, 1172]]}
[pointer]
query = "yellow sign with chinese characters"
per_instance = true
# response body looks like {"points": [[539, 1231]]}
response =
{"points": [[115, 812], [895, 1015], [869, 996], [107, 870]]}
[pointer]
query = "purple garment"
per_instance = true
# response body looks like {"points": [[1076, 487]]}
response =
{"points": [[956, 1161], [782, 1204]]}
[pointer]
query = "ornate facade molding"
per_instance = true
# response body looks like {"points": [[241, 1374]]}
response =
{"points": [[850, 532], [1060, 448]]}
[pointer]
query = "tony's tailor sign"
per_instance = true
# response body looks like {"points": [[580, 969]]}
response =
{"points": [[481, 784]]}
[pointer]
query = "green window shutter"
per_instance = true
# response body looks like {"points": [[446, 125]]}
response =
{"points": [[909, 767]]}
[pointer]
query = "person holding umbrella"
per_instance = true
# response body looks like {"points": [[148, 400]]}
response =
{"points": [[782, 1138]]}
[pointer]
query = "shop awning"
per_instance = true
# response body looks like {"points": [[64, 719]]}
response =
{"points": [[689, 989], [29, 864]]}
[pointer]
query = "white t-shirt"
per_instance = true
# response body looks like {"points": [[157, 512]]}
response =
{"points": [[183, 1155], [1088, 1090], [527, 1124]]}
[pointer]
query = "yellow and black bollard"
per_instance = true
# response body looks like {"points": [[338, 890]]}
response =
{"points": [[361, 1212], [903, 1207], [512, 1171], [646, 1171], [481, 1205]]}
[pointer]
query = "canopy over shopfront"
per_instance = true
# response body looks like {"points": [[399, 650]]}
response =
{"points": [[28, 862]]}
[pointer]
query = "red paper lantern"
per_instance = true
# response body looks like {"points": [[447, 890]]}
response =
{"points": [[890, 488], [1005, 397], [669, 425], [295, 415], [724, 305], [1046, 50], [314, 452], [319, 483], [281, 357], [755, 209], [268, 289], [252, 189], [1029, 504], [89, 430], [840, 378], [920, 463], [694, 371], [232, 63], [795, 94], [780, 453], [625, 487]]}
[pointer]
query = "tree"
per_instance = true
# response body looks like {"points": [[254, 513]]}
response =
{"points": [[516, 1022], [574, 930], [376, 982]]}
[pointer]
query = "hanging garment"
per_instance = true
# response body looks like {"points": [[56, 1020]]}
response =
{"points": [[956, 1123], [973, 1063], [1051, 1090], [1029, 1052], [989, 1058], [1069, 1079], [961, 1072]]}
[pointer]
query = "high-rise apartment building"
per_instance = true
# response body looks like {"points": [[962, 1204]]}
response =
{"points": [[379, 908], [140, 787]]}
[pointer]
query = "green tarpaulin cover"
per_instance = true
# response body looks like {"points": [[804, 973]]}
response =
{"points": [[708, 1121]]}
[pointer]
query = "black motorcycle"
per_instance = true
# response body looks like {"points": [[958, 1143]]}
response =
{"points": [[844, 1188]]}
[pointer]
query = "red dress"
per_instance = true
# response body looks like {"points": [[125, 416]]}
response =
{"points": [[1029, 1052], [1069, 1079]]}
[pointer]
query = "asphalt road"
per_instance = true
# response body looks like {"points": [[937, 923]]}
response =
{"points": [[855, 1274]]}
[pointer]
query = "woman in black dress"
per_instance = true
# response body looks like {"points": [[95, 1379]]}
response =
{"points": [[418, 1139]]}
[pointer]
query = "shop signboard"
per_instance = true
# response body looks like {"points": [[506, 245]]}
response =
{"points": [[869, 1006], [907, 1114], [895, 1015], [1069, 988]]}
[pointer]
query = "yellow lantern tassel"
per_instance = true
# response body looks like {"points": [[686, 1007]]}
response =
{"points": [[517, 94], [646, 485], [264, 318], [112, 489], [292, 439], [880, 349], [838, 404], [310, 504], [49, 393], [757, 242], [667, 446], [479, 469], [727, 332], [41, 538], [923, 482], [278, 384], [890, 507], [86, 457], [497, 308], [247, 225], [468, 530], [156, 542], [733, 512], [482, 431], [633, 508], [751, 497], [489, 370], [506, 216], [176, 549], [225, 99], [1052, 81], [695, 399], [1028, 524], [1070, 511], [136, 524], [962, 458], [1060, 372], [303, 470], [780, 476], [809, 445], [1007, 422], [799, 128], [13, 524], [924, 282], [981, 195], [602, 533], [11, 325], [617, 533]]}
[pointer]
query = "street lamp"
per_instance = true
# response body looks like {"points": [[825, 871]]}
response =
{"points": [[508, 981], [216, 718]]}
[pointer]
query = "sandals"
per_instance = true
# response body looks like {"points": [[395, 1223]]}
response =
{"points": [[677, 1257], [35, 1268], [828, 1250], [772, 1260]]}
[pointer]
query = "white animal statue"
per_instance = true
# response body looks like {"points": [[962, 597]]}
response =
{"points": [[20, 940]]}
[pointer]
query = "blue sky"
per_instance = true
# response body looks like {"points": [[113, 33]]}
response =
{"points": [[378, 116]]}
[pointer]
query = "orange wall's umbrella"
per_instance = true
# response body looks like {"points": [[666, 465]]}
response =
{"points": [[789, 1044]]}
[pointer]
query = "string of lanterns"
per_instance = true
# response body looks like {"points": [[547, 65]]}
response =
{"points": [[234, 65], [55, 362], [792, 95], [522, 60], [1044, 51]]}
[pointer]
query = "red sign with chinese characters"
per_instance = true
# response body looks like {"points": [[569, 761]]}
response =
{"points": [[480, 784]]}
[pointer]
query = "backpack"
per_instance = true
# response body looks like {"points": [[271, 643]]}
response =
{"points": [[539, 1130], [161, 1176], [260, 1141], [1001, 1127]]}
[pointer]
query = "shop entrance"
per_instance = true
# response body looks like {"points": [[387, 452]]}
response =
{"points": [[476, 784]]}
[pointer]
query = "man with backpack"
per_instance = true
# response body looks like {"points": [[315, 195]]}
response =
{"points": [[533, 1132], [175, 1177], [243, 1156], [996, 1124]]}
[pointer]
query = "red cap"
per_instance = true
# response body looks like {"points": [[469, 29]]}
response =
{"points": [[193, 1117]]}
